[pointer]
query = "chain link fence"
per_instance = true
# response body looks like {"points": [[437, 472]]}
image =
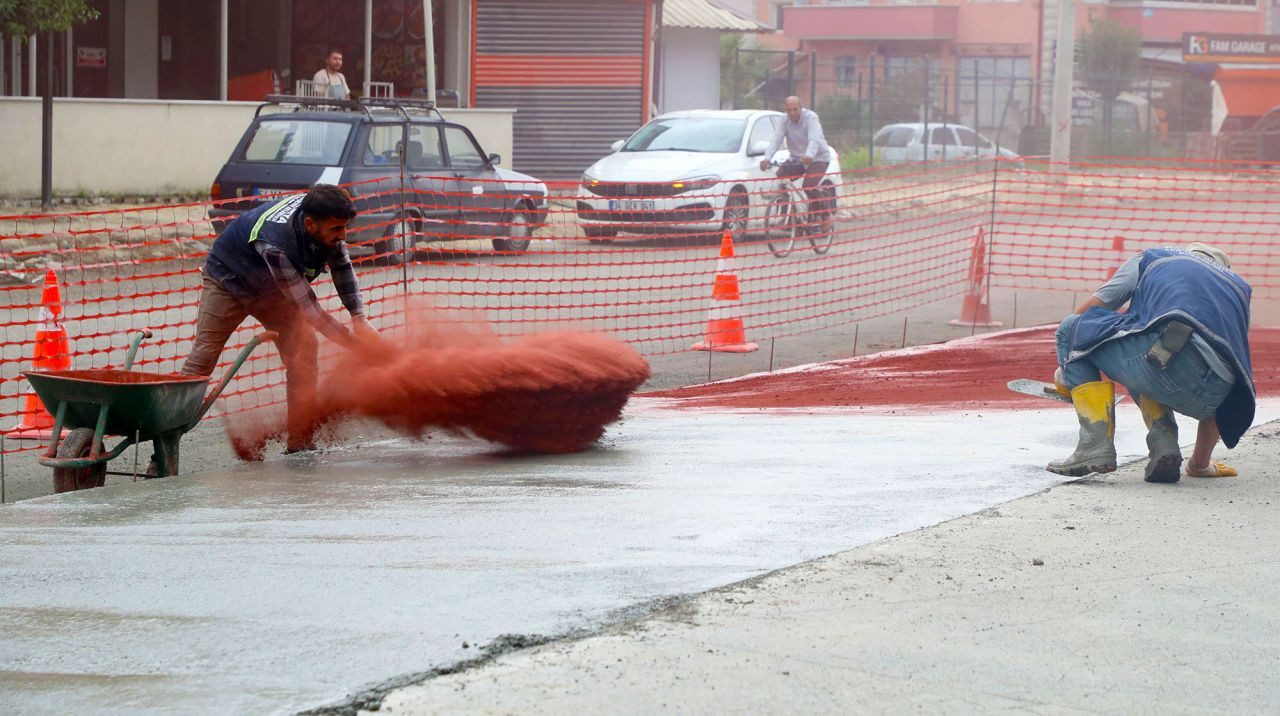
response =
{"points": [[1162, 113]]}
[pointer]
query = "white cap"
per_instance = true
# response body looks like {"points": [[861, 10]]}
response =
{"points": [[1211, 253]]}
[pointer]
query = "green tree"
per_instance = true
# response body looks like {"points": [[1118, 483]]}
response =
{"points": [[20, 18], [1109, 56]]}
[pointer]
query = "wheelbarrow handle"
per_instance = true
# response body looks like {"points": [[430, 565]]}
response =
{"points": [[135, 341], [241, 357]]}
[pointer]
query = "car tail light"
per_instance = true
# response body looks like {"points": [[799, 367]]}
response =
{"points": [[215, 191]]}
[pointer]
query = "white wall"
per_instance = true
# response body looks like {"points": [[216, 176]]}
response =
{"points": [[690, 69], [153, 147]]}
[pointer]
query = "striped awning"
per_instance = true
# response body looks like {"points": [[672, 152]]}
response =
{"points": [[707, 15]]}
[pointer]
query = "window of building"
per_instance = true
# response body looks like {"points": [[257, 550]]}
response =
{"points": [[846, 69], [903, 66], [993, 90]]}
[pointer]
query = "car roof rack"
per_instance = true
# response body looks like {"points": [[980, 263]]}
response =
{"points": [[364, 104]]}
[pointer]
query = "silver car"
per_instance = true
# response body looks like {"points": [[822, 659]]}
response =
{"points": [[918, 142]]}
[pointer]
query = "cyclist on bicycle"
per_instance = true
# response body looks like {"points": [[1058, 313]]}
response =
{"points": [[802, 131]]}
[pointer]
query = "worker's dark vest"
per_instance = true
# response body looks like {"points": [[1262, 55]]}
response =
{"points": [[1173, 284], [236, 264]]}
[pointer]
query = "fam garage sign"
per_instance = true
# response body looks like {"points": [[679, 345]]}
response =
{"points": [[1214, 47]]}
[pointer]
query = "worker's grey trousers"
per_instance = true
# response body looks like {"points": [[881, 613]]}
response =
{"points": [[220, 314]]}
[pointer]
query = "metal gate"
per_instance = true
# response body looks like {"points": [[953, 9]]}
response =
{"points": [[574, 70]]}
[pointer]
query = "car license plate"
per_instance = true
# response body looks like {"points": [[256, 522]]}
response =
{"points": [[631, 204]]}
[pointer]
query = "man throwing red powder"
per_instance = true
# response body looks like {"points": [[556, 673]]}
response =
{"points": [[262, 265]]}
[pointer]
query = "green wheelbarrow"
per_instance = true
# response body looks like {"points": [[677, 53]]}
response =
{"points": [[136, 405]]}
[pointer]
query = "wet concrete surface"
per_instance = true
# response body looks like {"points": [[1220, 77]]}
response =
{"points": [[296, 582]]}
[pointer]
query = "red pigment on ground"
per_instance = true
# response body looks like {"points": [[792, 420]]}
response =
{"points": [[547, 393], [963, 373], [112, 375]]}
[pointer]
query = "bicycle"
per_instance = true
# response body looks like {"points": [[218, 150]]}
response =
{"points": [[785, 221]]}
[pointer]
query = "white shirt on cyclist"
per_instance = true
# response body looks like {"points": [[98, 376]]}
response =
{"points": [[804, 138]]}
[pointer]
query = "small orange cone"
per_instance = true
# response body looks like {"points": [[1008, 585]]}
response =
{"points": [[724, 327], [975, 311], [52, 352], [1117, 244]]}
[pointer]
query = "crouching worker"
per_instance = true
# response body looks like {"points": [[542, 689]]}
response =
{"points": [[1183, 346], [262, 266]]}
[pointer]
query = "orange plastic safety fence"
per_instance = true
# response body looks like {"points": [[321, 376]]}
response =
{"points": [[636, 260]]}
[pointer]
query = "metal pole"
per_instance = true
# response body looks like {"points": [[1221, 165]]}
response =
{"points": [[813, 79], [855, 339], [222, 50], [429, 37], [977, 103], [404, 214], [1064, 60], [946, 130], [3, 49], [772, 343], [68, 45], [1148, 114], [368, 44], [871, 113], [904, 331], [737, 64], [2, 494], [15, 72], [46, 128], [791, 73], [32, 59], [926, 109]]}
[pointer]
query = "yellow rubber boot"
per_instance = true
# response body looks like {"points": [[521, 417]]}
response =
{"points": [[1096, 451], [1165, 457]]}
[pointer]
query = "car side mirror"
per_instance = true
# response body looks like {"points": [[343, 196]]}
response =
{"points": [[758, 149], [617, 145], [495, 158]]}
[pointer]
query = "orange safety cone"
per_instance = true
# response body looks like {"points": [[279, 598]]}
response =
{"points": [[724, 326], [52, 352], [975, 311], [1117, 244]]}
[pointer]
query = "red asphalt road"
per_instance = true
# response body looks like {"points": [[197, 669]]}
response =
{"points": [[966, 373]]}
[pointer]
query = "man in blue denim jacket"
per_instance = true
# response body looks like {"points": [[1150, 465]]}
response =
{"points": [[1183, 346]]}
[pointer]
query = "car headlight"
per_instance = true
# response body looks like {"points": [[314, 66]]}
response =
{"points": [[589, 182], [695, 184]]}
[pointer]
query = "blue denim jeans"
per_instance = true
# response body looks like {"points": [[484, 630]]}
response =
{"points": [[1186, 385]]}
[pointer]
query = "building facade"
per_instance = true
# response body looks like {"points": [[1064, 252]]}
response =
{"points": [[991, 60]]}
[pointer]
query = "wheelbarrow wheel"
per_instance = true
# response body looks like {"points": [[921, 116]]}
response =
{"points": [[78, 443]]}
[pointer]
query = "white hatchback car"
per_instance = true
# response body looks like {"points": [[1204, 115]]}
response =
{"points": [[690, 171], [917, 142]]}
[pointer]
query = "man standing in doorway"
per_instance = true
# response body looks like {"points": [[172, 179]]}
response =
{"points": [[802, 132], [330, 80]]}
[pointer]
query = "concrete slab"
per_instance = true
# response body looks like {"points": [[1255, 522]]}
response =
{"points": [[292, 583], [1107, 595]]}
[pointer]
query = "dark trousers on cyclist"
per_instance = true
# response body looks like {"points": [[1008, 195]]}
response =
{"points": [[812, 176]]}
